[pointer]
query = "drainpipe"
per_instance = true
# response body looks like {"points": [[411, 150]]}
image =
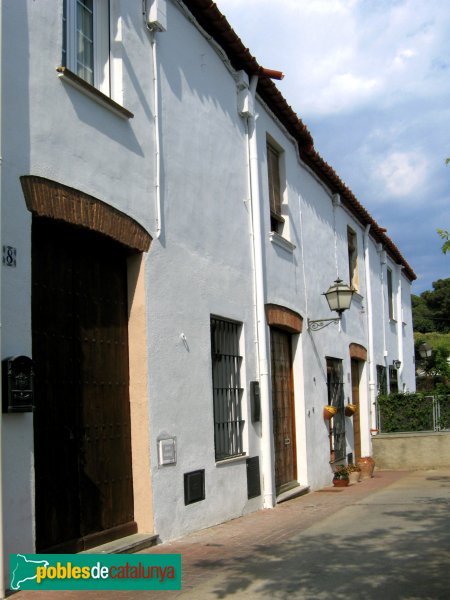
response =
{"points": [[266, 412], [370, 349], [400, 327], [154, 26], [157, 135], [2, 547], [383, 309]]}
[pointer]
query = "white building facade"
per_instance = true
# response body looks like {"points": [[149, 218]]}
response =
{"points": [[173, 231]]}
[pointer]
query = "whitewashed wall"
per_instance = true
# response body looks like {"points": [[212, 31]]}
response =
{"points": [[53, 130], [200, 266]]}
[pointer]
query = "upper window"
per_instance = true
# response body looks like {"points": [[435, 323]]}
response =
{"points": [[352, 258], [273, 170], [390, 294], [86, 41], [381, 379], [227, 390]]}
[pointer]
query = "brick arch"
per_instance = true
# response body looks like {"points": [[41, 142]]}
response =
{"points": [[358, 352], [284, 318], [47, 198]]}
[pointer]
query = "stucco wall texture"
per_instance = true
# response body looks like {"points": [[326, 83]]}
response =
{"points": [[412, 450]]}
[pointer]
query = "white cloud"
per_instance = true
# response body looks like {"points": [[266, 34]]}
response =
{"points": [[341, 55], [402, 173]]}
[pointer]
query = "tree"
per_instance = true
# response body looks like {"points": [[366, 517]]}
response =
{"points": [[443, 233], [431, 310], [446, 237], [422, 317]]}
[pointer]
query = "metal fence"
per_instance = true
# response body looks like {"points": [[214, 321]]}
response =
{"points": [[414, 412]]}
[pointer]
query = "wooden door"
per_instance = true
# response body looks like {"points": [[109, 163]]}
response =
{"points": [[283, 409], [84, 493], [356, 379]]}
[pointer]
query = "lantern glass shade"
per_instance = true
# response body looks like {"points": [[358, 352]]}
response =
{"points": [[339, 296], [425, 350]]}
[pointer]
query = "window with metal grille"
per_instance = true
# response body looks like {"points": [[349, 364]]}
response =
{"points": [[393, 380], [227, 390], [335, 382], [381, 379]]}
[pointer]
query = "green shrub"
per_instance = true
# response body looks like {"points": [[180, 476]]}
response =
{"points": [[406, 412]]}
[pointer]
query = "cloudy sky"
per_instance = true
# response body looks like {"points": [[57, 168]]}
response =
{"points": [[371, 80]]}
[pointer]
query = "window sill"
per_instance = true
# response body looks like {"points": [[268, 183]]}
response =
{"points": [[234, 459], [86, 88], [282, 242]]}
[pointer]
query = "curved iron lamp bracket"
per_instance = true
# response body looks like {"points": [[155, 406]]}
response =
{"points": [[317, 324]]}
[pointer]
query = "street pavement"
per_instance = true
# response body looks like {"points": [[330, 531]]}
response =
{"points": [[384, 538]]}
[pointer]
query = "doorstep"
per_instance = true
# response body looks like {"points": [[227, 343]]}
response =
{"points": [[126, 545], [298, 490]]}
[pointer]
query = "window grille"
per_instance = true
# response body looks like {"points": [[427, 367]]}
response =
{"points": [[393, 380], [227, 390], [335, 384], [381, 379]]}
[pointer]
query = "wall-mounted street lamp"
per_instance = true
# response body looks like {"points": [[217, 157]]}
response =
{"points": [[397, 364], [339, 297], [425, 350]]}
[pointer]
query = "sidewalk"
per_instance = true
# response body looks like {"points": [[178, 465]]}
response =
{"points": [[388, 537]]}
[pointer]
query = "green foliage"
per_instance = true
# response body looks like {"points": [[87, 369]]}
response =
{"points": [[433, 373], [405, 412], [422, 316], [431, 310], [444, 234], [341, 472]]}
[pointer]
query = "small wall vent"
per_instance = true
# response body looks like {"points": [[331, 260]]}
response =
{"points": [[253, 477], [194, 486]]}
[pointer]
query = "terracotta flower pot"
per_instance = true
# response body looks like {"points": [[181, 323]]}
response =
{"points": [[350, 410], [354, 477], [367, 465], [340, 482], [328, 412]]}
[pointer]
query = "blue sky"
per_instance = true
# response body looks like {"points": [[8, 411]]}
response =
{"points": [[371, 80]]}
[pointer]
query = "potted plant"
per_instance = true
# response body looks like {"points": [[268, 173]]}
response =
{"points": [[354, 473], [329, 411], [340, 476]]}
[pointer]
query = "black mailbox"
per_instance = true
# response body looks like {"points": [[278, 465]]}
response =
{"points": [[17, 384]]}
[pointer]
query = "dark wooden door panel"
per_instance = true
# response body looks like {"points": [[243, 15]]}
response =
{"points": [[283, 408], [82, 421]]}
